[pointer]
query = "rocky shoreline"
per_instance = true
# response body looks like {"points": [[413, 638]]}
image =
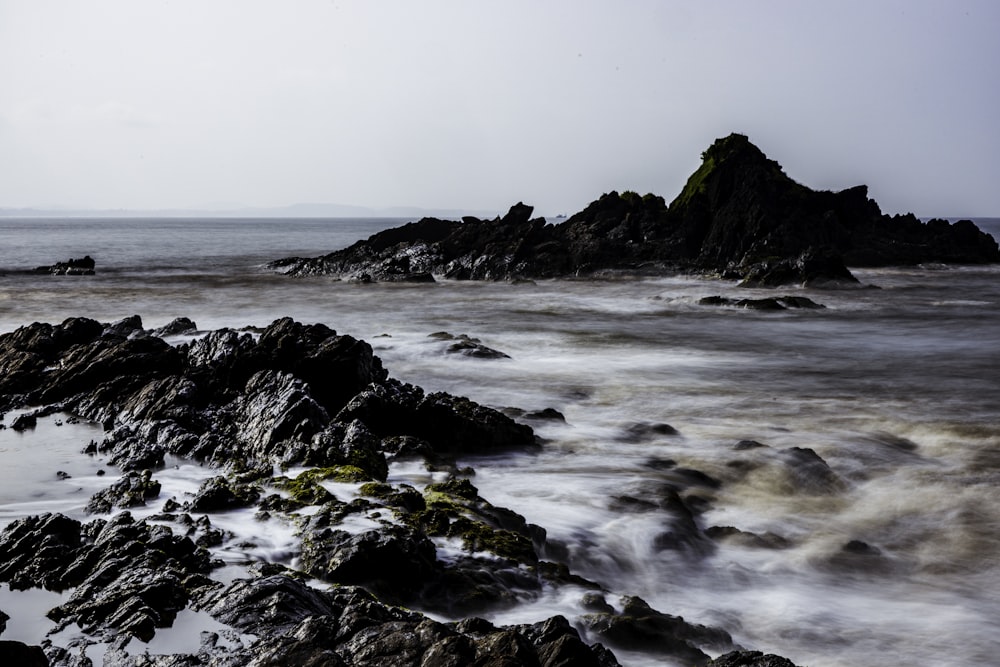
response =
{"points": [[282, 415], [739, 217]]}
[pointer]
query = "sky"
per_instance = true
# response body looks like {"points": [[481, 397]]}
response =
{"points": [[476, 105]]}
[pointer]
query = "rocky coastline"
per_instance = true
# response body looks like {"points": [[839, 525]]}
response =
{"points": [[278, 413], [738, 217]]}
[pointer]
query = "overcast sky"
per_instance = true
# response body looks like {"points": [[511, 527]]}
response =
{"points": [[476, 104]]}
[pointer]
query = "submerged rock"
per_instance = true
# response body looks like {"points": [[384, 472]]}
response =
{"points": [[750, 659], [347, 626], [769, 303], [467, 346]]}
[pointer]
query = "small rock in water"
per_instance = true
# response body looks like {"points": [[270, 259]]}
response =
{"points": [[547, 414], [647, 431], [468, 346], [748, 444], [750, 659], [25, 422], [62, 474], [768, 303], [178, 325]]}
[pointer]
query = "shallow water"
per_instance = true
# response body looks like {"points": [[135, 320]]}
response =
{"points": [[895, 388]]}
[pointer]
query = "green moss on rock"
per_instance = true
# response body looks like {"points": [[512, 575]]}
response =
{"points": [[305, 487]]}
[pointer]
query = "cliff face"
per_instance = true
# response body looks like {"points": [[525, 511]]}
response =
{"points": [[738, 215]]}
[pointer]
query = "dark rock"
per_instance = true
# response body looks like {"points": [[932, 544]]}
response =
{"points": [[738, 215], [747, 539], [73, 267], [127, 327], [393, 561], [468, 346], [769, 303], [218, 494], [24, 422], [813, 268], [3, 621], [132, 490], [639, 627], [809, 473], [347, 626], [643, 431], [471, 348], [176, 326], [546, 414], [750, 659], [126, 576], [17, 654], [448, 423], [744, 445]]}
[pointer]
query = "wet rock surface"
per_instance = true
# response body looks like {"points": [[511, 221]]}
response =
{"points": [[73, 267], [739, 216], [290, 418]]}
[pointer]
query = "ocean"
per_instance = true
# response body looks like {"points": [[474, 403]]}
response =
{"points": [[888, 554]]}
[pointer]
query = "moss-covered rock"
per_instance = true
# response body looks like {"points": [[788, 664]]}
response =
{"points": [[305, 487]]}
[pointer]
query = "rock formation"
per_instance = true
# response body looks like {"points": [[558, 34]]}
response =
{"points": [[253, 406], [74, 267], [738, 216]]}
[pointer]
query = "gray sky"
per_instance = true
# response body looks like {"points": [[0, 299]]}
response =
{"points": [[479, 104]]}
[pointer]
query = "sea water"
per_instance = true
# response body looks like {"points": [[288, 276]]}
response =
{"points": [[893, 559]]}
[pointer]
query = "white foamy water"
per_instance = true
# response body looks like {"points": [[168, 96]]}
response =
{"points": [[891, 556]]}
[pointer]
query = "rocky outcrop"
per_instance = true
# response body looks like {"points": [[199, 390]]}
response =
{"points": [[739, 216], [73, 267], [251, 405]]}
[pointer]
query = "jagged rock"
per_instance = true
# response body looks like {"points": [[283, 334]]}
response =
{"points": [[176, 326], [127, 327], [393, 561], [639, 626], [73, 267], [738, 215], [750, 659], [813, 268], [218, 494], [24, 422], [127, 576], [132, 490], [286, 395], [467, 346], [448, 423], [809, 473], [347, 626]]}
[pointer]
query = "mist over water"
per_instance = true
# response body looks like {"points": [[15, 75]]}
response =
{"points": [[880, 547]]}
